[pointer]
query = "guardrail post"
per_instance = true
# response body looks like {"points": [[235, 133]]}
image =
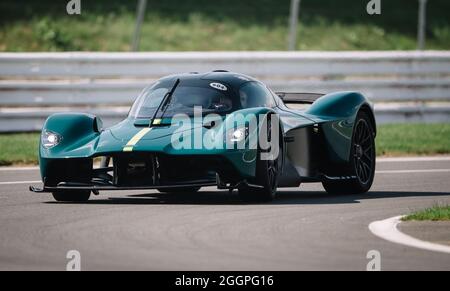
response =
{"points": [[421, 30], [293, 24], [142, 4]]}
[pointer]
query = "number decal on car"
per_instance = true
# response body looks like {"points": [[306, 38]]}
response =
{"points": [[219, 86]]}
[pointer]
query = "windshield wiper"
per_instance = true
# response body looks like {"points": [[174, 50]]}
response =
{"points": [[165, 102]]}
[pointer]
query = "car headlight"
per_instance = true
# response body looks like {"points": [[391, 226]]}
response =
{"points": [[50, 139], [237, 134]]}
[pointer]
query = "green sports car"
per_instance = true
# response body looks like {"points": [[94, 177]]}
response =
{"points": [[219, 129]]}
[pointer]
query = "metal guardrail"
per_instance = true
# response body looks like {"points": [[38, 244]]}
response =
{"points": [[260, 64], [31, 119], [93, 80], [38, 93]]}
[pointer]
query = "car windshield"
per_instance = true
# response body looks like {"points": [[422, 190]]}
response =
{"points": [[184, 99]]}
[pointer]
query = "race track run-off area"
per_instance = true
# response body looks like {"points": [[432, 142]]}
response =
{"points": [[302, 229]]}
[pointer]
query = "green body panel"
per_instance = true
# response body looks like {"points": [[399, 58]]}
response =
{"points": [[336, 114], [81, 141]]}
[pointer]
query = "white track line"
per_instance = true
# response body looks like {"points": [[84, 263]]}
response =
{"points": [[18, 168], [19, 182], [387, 229], [414, 159], [413, 171]]}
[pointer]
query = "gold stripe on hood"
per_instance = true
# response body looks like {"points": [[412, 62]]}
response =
{"points": [[135, 139]]}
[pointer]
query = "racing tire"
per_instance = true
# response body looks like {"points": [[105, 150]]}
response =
{"points": [[267, 175], [362, 160], [72, 196]]}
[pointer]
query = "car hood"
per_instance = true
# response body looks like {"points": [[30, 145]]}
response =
{"points": [[128, 128]]}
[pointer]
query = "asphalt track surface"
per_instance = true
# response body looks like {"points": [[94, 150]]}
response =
{"points": [[303, 229]]}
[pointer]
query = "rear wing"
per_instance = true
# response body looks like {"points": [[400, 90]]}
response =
{"points": [[299, 98]]}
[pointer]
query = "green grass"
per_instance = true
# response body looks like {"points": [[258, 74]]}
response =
{"points": [[189, 25], [435, 213], [199, 33], [392, 140], [18, 148], [413, 139]]}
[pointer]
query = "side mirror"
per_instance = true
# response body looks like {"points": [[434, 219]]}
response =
{"points": [[98, 124]]}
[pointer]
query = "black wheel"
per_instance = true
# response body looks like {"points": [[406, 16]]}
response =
{"points": [[267, 174], [362, 160], [180, 190], [72, 196]]}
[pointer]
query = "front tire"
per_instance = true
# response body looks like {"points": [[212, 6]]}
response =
{"points": [[362, 160], [72, 196], [267, 174]]}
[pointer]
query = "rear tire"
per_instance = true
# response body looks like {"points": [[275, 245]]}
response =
{"points": [[72, 196], [362, 160], [180, 190]]}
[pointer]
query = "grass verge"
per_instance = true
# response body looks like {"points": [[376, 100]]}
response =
{"points": [[192, 25], [392, 140], [413, 139], [17, 149], [435, 213]]}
